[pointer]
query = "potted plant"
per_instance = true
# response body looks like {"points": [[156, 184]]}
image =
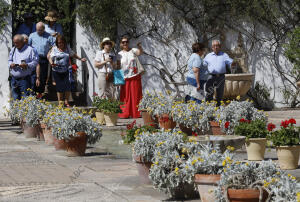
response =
{"points": [[229, 116], [286, 140], [206, 167], [110, 108], [73, 131], [133, 131], [163, 109], [98, 102], [191, 117], [255, 133], [146, 106]]}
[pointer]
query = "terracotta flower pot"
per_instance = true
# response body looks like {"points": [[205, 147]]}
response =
{"points": [[49, 138], [215, 128], [206, 184], [166, 122], [76, 146], [100, 117], [246, 195], [59, 144], [111, 119], [256, 148], [184, 191], [143, 169], [288, 156], [31, 132], [186, 130], [148, 120], [40, 131]]}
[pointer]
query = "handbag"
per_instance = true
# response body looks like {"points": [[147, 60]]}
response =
{"points": [[140, 68], [118, 77], [109, 77]]}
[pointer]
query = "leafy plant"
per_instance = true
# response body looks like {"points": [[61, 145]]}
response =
{"points": [[134, 131], [287, 135], [251, 129], [106, 105]]}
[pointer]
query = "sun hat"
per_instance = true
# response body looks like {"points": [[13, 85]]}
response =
{"points": [[52, 16], [105, 40]]}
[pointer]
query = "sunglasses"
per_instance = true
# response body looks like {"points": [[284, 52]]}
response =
{"points": [[123, 42]]}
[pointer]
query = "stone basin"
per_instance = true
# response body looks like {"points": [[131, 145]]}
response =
{"points": [[237, 84], [222, 140]]}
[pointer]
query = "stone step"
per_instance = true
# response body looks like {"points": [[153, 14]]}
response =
{"points": [[284, 114]]}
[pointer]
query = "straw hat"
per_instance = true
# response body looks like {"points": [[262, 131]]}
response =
{"points": [[105, 40], [52, 16]]}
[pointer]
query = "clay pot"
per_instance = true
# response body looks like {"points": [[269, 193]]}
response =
{"points": [[206, 184], [76, 146], [31, 132], [59, 144], [100, 117], [49, 138], [40, 135], [186, 130], [288, 157], [246, 195], [215, 128], [166, 122], [184, 191], [143, 169], [256, 148], [111, 119], [148, 120]]}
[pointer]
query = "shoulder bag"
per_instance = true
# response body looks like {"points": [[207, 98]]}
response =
{"points": [[109, 77]]}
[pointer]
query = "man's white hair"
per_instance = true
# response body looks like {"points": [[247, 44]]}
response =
{"points": [[40, 24], [25, 36], [216, 41], [19, 37]]}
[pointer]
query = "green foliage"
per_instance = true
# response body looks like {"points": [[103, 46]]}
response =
{"points": [[4, 11], [134, 131], [287, 135], [106, 105], [251, 129], [292, 51]]}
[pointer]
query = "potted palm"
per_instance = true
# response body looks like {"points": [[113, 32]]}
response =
{"points": [[255, 133], [206, 167], [286, 140]]}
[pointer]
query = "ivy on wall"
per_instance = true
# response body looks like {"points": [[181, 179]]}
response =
{"points": [[4, 11]]}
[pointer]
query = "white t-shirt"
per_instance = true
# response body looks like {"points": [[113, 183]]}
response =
{"points": [[128, 63], [99, 58]]}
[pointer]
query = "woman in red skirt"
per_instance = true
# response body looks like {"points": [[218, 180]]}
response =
{"points": [[131, 92]]}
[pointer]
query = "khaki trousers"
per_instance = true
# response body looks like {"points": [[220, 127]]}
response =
{"points": [[106, 89]]}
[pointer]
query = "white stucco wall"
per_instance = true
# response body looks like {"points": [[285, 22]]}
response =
{"points": [[5, 46]]}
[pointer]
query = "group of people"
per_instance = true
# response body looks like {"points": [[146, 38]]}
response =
{"points": [[40, 46], [36, 47]]}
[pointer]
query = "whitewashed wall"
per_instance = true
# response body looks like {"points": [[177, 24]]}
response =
{"points": [[5, 46]]}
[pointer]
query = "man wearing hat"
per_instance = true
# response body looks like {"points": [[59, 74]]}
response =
{"points": [[28, 26], [53, 28], [105, 62]]}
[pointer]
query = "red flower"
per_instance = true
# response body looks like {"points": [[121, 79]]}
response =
{"points": [[227, 124], [292, 121], [284, 123], [242, 120], [271, 126], [152, 124], [95, 94], [130, 126], [194, 134]]}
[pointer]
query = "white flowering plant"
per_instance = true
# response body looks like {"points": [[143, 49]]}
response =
{"points": [[229, 116], [149, 101], [265, 175]]}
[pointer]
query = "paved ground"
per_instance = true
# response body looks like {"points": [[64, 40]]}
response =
{"points": [[32, 171]]}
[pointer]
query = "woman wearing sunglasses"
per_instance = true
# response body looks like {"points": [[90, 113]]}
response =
{"points": [[131, 92]]}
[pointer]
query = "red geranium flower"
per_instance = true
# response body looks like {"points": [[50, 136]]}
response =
{"points": [[194, 134], [292, 121], [227, 124], [242, 120], [95, 94], [284, 123], [271, 126], [130, 126]]}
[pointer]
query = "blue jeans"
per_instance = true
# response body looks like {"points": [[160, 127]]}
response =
{"points": [[19, 87], [193, 82], [218, 82]]}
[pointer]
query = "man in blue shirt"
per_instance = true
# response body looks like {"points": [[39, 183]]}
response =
{"points": [[22, 59], [28, 26], [197, 74], [42, 42], [216, 62]]}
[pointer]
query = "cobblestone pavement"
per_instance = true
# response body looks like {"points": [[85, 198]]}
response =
{"points": [[32, 171]]}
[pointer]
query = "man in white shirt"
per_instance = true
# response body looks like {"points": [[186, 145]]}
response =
{"points": [[105, 61]]}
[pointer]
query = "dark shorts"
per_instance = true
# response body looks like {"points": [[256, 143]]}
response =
{"points": [[62, 81]]}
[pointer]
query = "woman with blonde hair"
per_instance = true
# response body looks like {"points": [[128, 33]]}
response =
{"points": [[131, 92]]}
